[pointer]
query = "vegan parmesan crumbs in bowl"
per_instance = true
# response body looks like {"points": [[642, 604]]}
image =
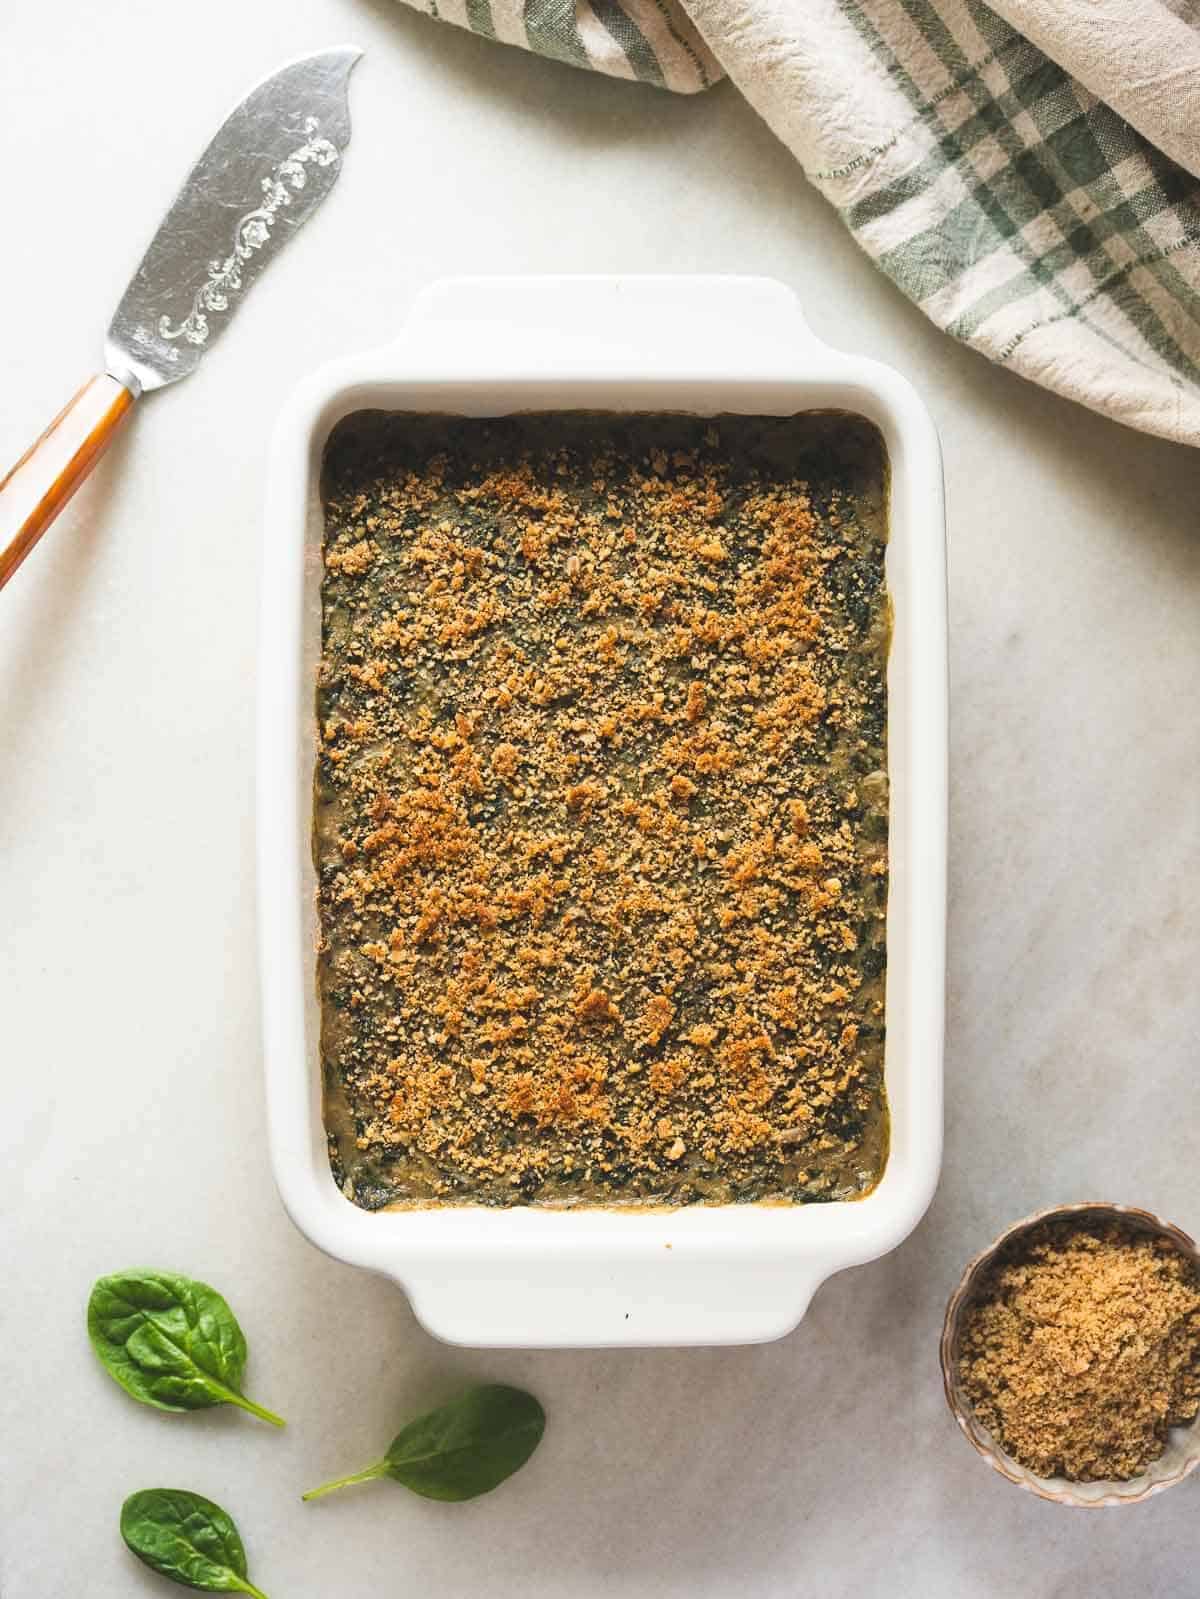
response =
{"points": [[1071, 1355]]}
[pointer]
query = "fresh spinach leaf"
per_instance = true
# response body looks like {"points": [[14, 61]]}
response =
{"points": [[461, 1450], [170, 1342], [188, 1539]]}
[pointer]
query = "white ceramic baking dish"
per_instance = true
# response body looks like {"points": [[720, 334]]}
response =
{"points": [[529, 1276]]}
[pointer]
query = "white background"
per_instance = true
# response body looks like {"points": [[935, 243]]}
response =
{"points": [[133, 1119]]}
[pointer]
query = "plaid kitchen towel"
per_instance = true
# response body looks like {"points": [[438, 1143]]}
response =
{"points": [[1025, 171]]}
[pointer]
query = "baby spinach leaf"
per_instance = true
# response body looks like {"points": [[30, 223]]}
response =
{"points": [[188, 1539], [461, 1450], [170, 1342]]}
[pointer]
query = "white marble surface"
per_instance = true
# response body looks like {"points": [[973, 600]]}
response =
{"points": [[132, 1119]]}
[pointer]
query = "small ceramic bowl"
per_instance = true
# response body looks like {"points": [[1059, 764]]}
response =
{"points": [[1178, 1459]]}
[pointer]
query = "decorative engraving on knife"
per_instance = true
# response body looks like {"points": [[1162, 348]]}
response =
{"points": [[251, 233]]}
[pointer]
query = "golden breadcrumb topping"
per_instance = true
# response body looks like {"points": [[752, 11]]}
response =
{"points": [[601, 808]]}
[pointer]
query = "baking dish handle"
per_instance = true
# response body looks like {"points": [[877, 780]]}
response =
{"points": [[692, 325], [671, 1298]]}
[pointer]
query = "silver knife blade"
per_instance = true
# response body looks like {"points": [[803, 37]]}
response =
{"points": [[272, 162]]}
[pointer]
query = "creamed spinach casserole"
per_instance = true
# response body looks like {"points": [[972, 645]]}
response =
{"points": [[601, 809]]}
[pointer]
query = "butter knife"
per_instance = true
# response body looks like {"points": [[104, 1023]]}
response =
{"points": [[272, 162]]}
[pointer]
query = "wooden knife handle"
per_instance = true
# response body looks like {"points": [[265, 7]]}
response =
{"points": [[50, 471]]}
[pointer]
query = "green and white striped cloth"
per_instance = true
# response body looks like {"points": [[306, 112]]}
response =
{"points": [[1026, 172]]}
